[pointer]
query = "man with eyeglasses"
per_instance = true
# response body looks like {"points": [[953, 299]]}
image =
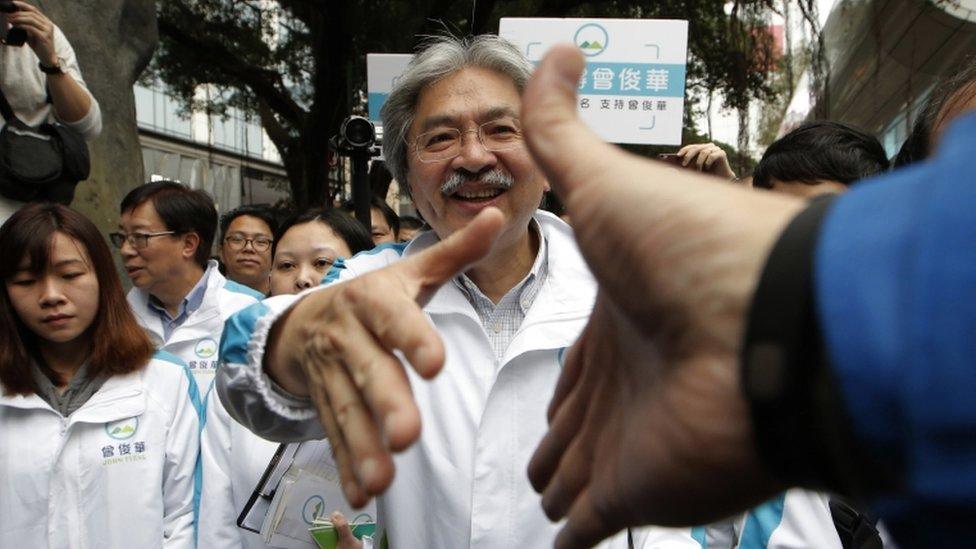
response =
{"points": [[245, 246], [503, 285], [166, 232]]}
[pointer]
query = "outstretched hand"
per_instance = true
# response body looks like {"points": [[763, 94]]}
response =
{"points": [[648, 424], [337, 345]]}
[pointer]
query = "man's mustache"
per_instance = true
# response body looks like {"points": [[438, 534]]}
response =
{"points": [[493, 178]]}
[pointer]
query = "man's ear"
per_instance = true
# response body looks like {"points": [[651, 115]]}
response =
{"points": [[191, 241]]}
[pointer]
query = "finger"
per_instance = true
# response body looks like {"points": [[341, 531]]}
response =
{"points": [[371, 461], [702, 157], [443, 261], [379, 376], [343, 531], [341, 411], [25, 7], [567, 151], [693, 151], [712, 157], [563, 431], [585, 526], [574, 464], [351, 488]]}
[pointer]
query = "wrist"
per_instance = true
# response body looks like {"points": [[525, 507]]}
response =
{"points": [[53, 67]]}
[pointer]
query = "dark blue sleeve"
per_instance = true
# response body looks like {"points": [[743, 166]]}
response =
{"points": [[895, 283]]}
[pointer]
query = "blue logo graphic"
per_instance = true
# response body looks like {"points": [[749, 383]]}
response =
{"points": [[122, 429], [314, 508], [592, 39]]}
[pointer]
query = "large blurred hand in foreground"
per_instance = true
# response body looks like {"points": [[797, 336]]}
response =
{"points": [[648, 424], [337, 345]]}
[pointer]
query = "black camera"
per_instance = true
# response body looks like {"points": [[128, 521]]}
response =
{"points": [[15, 36], [356, 134]]}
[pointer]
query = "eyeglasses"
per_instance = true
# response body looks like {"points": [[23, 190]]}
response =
{"points": [[237, 243], [502, 134], [136, 240]]}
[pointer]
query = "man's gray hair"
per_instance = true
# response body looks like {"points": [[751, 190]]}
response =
{"points": [[440, 57]]}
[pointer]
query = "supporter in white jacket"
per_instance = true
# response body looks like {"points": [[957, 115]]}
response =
{"points": [[178, 295], [98, 437]]}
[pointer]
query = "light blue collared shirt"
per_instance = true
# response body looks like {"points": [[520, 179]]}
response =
{"points": [[190, 303]]}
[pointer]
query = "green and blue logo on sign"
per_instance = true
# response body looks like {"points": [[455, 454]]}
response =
{"points": [[592, 39]]}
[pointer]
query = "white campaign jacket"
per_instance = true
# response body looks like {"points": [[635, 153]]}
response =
{"points": [[233, 461], [116, 473], [197, 340], [795, 519], [464, 483]]}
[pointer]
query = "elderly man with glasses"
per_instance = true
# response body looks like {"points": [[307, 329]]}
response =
{"points": [[501, 282], [166, 231]]}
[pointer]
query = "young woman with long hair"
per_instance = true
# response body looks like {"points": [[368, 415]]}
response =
{"points": [[98, 436]]}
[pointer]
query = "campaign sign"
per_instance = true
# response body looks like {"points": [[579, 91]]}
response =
{"points": [[382, 71], [633, 87]]}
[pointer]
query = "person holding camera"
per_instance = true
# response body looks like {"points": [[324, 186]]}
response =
{"points": [[41, 83]]}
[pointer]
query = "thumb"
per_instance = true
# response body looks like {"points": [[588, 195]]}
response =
{"points": [[569, 153], [346, 539], [444, 260]]}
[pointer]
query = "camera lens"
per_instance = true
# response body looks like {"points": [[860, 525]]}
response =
{"points": [[358, 132]]}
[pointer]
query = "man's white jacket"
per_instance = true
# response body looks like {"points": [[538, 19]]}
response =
{"points": [[116, 473], [464, 483], [197, 340]]}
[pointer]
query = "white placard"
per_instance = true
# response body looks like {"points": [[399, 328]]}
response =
{"points": [[382, 71], [633, 87]]}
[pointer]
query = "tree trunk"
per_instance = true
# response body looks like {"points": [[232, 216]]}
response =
{"points": [[114, 41], [742, 143]]}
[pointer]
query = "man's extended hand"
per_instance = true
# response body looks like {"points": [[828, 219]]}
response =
{"points": [[648, 424], [337, 345]]}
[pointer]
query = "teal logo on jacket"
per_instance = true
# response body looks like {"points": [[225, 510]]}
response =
{"points": [[122, 429], [205, 348]]}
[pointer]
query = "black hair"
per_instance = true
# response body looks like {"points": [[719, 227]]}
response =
{"points": [[940, 101], [260, 211], [345, 227], [182, 209], [375, 202], [821, 150]]}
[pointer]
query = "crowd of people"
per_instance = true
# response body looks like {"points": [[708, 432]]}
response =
{"points": [[694, 349]]}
